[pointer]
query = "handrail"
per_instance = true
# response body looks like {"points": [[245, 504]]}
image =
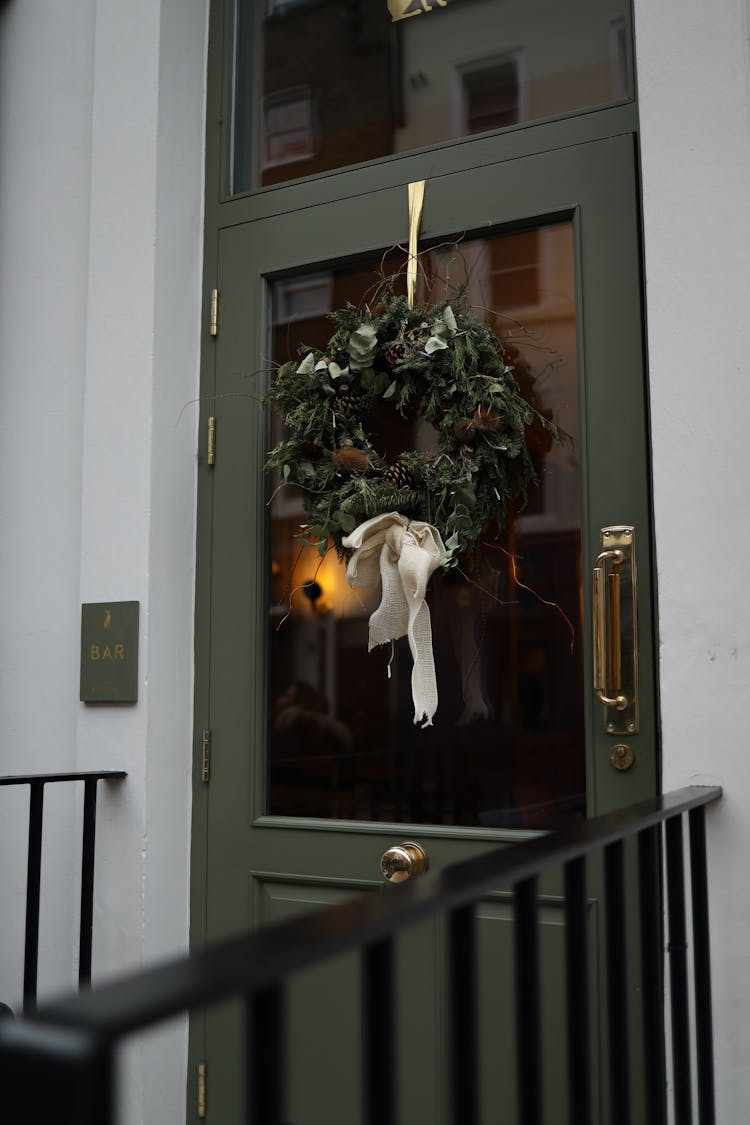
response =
{"points": [[85, 1029], [259, 960], [36, 783], [46, 778]]}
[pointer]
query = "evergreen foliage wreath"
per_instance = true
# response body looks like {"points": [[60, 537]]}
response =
{"points": [[441, 361]]}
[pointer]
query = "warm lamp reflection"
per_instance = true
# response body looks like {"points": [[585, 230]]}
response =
{"points": [[320, 587]]}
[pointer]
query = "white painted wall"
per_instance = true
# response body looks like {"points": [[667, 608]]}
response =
{"points": [[46, 89], [692, 63], [101, 129]]}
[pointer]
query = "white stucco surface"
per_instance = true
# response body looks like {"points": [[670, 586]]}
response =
{"points": [[692, 63], [46, 90], [101, 126]]}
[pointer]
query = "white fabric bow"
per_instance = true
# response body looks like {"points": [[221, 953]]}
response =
{"points": [[403, 554]]}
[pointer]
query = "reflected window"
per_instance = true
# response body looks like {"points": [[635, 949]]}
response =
{"points": [[288, 126], [302, 298], [515, 271], [491, 94]]}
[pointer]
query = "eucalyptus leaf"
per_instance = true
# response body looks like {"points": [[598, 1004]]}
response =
{"points": [[434, 344], [320, 365], [307, 365], [286, 471], [335, 371], [366, 334], [322, 548], [497, 389], [380, 383], [391, 390], [307, 469], [362, 346], [450, 319]]}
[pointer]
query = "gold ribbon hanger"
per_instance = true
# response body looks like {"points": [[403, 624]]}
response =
{"points": [[416, 203]]}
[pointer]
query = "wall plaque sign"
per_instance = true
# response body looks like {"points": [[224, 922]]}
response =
{"points": [[109, 652]]}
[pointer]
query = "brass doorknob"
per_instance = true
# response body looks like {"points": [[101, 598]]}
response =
{"points": [[402, 861]]}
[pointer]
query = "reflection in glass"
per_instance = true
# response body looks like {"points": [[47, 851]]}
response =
{"points": [[507, 748], [323, 84]]}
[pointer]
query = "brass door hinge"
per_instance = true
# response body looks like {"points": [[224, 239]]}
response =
{"points": [[206, 756], [211, 440], [213, 318], [201, 1089]]}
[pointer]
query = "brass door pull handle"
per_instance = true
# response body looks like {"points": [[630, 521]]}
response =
{"points": [[403, 861], [608, 657], [615, 629]]}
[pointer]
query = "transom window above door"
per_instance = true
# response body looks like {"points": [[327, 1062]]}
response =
{"points": [[320, 85]]}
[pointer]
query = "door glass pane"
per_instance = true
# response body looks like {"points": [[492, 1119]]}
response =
{"points": [[321, 84], [507, 746]]}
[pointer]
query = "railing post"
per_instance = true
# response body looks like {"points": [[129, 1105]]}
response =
{"points": [[617, 982], [577, 993], [702, 967], [265, 1065], [528, 1021], [652, 973], [87, 880], [56, 1074], [463, 1022], [33, 882], [678, 980], [379, 1034]]}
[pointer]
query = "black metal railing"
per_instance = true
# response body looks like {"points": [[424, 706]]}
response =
{"points": [[36, 784], [58, 1066]]}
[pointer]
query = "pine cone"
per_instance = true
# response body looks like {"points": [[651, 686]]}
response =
{"points": [[399, 475], [348, 401], [396, 353]]}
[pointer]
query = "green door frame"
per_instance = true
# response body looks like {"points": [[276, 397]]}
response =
{"points": [[222, 213]]}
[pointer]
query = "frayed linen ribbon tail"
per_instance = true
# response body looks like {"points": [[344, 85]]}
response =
{"points": [[402, 554]]}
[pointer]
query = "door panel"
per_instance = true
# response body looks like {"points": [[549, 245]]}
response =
{"points": [[263, 863]]}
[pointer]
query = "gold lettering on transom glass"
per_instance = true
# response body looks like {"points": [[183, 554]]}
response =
{"points": [[401, 9]]}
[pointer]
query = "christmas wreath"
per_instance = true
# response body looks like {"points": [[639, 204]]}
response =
{"points": [[399, 520], [449, 367]]}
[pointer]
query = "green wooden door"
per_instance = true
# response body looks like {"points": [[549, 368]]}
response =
{"points": [[279, 836]]}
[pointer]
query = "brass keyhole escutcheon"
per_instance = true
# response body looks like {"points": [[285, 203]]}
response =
{"points": [[621, 757], [403, 861]]}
